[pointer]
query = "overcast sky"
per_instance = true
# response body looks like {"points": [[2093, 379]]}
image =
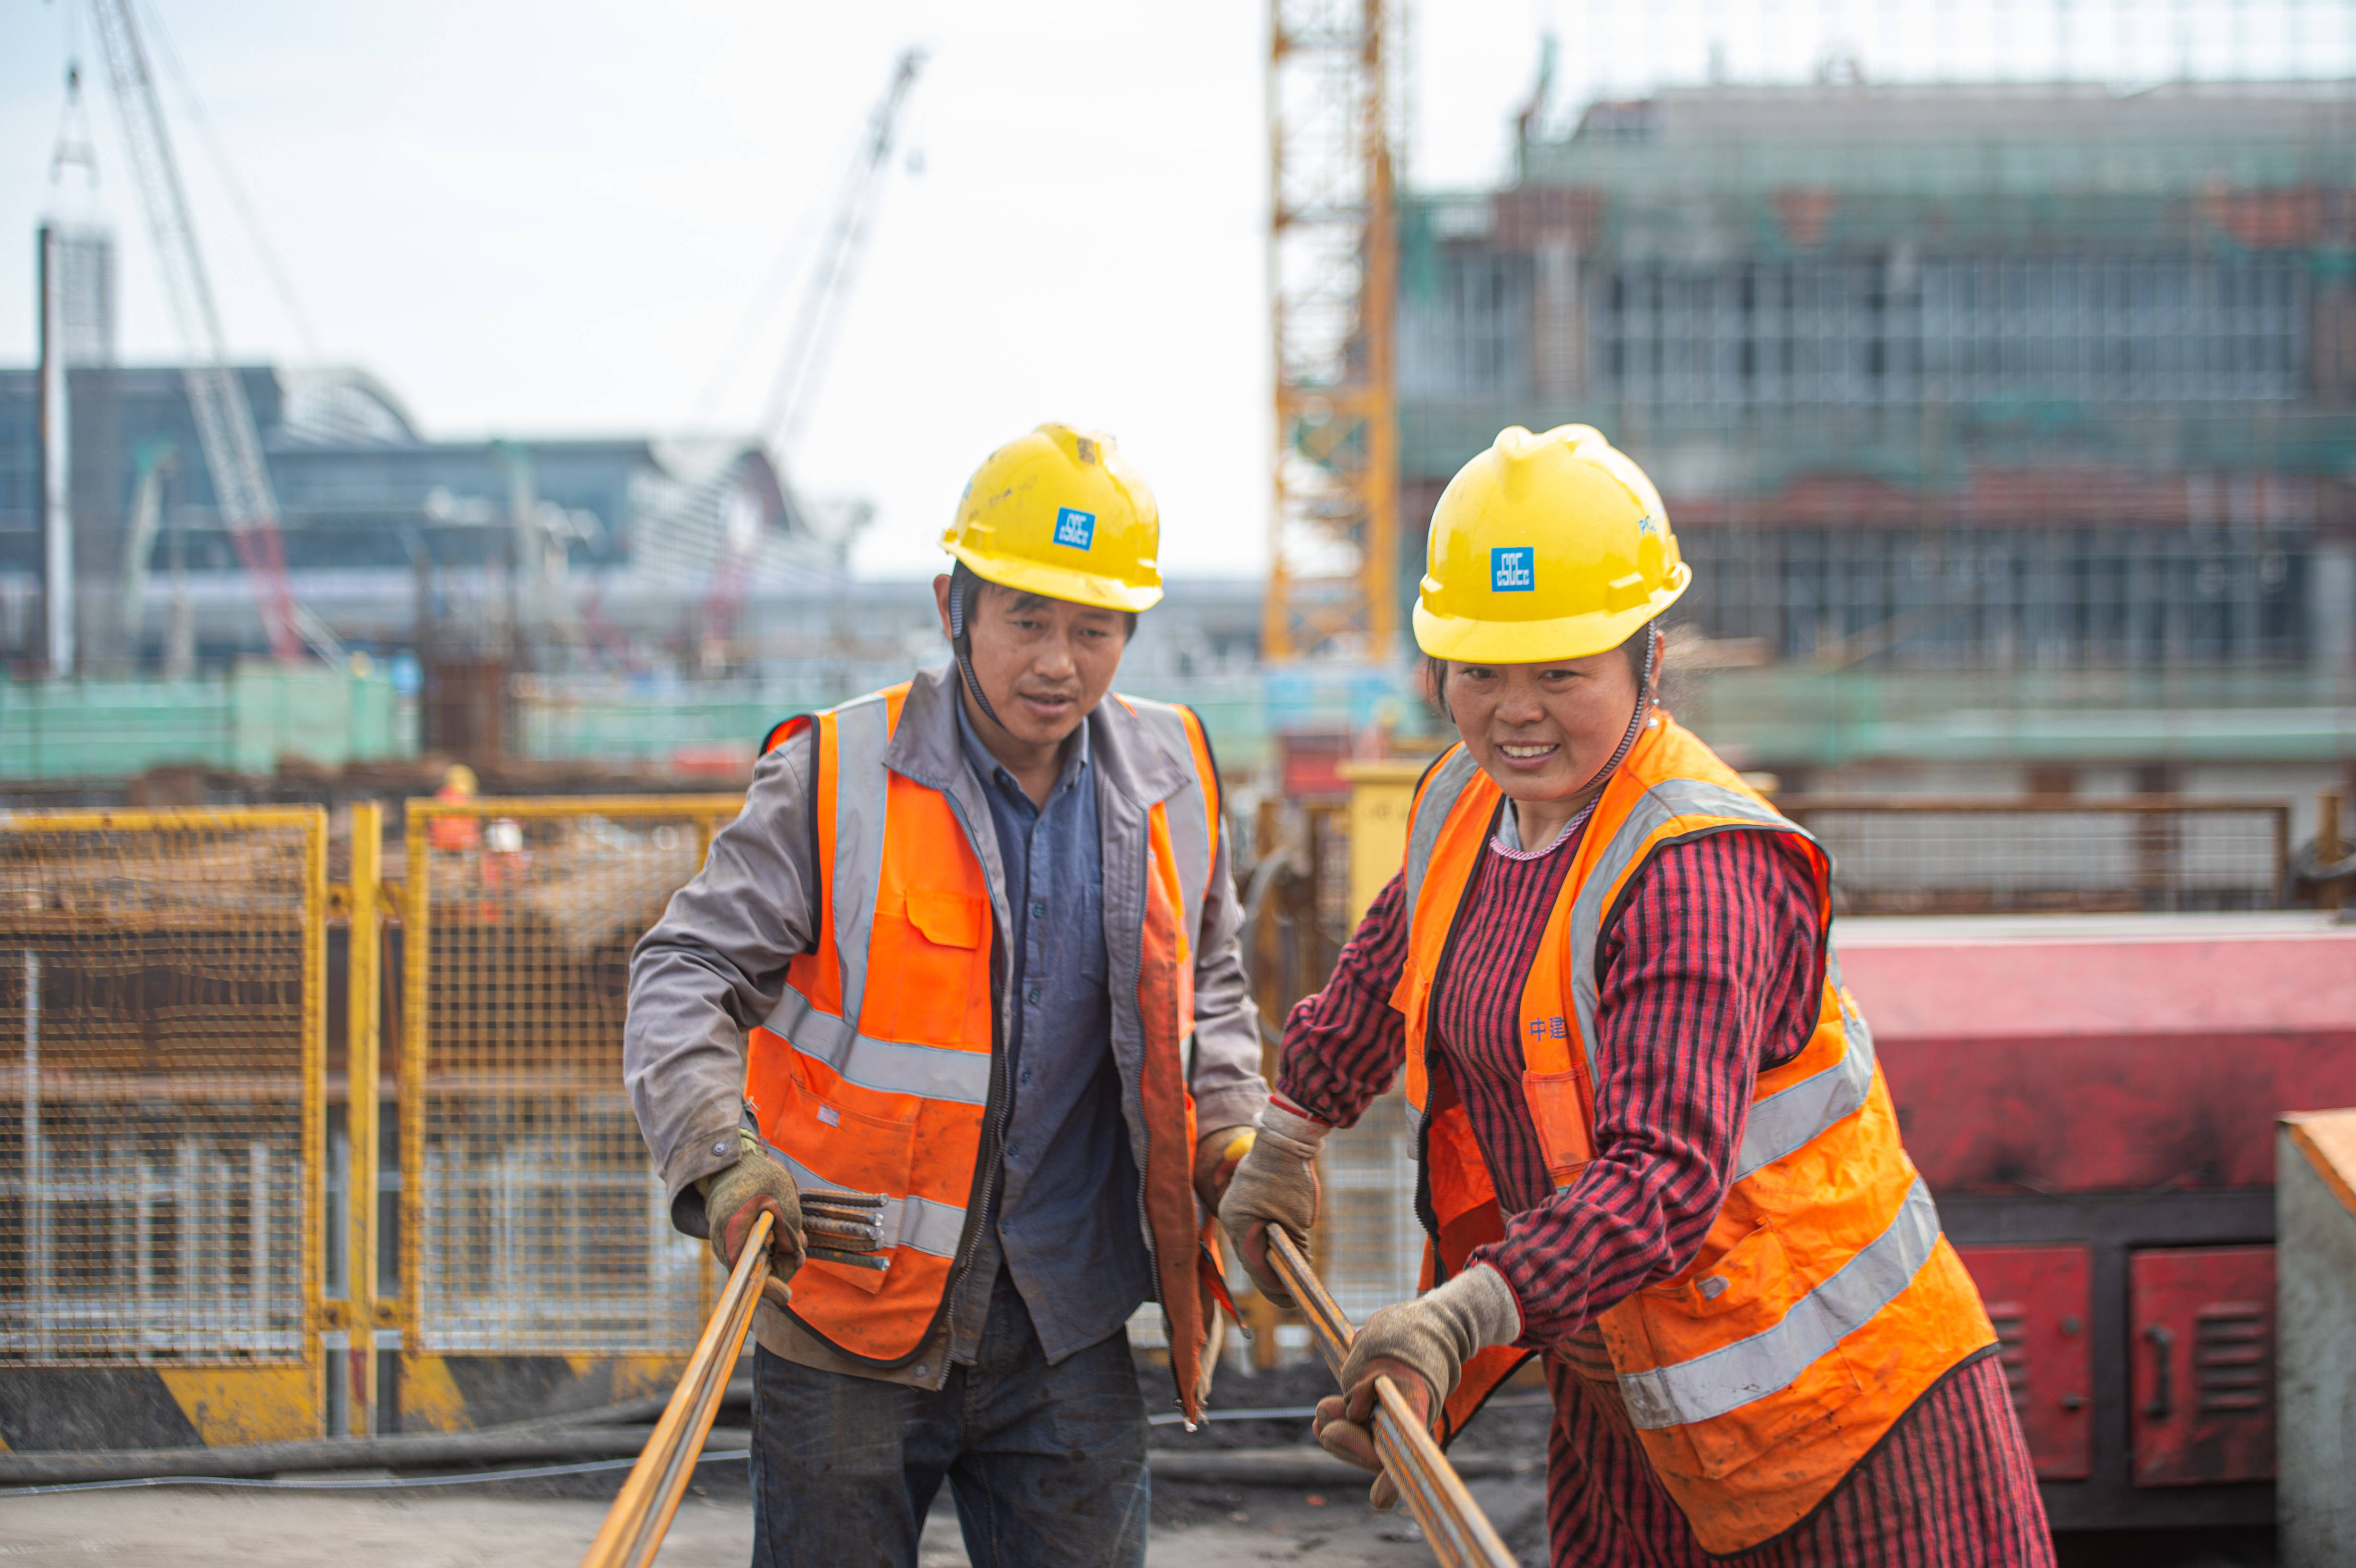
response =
{"points": [[557, 219]]}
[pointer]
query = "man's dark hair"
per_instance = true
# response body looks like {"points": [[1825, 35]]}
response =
{"points": [[1435, 669], [967, 583]]}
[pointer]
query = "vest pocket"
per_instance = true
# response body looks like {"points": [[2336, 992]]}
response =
{"points": [[925, 960], [1730, 1306], [847, 1149]]}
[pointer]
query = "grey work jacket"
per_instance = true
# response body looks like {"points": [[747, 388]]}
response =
{"points": [[715, 964]]}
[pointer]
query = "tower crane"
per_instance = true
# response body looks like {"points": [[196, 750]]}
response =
{"points": [[817, 318], [225, 429]]}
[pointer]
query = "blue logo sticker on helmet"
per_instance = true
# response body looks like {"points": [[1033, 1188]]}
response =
{"points": [[1513, 568], [1074, 528]]}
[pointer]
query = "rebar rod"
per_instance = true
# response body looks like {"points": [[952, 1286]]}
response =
{"points": [[1459, 1532], [642, 1510]]}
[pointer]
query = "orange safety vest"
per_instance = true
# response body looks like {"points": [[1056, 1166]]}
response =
{"points": [[876, 1073], [1824, 1300]]}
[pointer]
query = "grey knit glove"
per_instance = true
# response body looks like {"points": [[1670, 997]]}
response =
{"points": [[1422, 1346], [1275, 1185]]}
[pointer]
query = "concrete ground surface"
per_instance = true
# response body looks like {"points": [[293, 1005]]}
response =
{"points": [[1194, 1527], [540, 1526]]}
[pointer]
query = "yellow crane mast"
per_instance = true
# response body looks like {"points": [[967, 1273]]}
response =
{"points": [[1332, 304]]}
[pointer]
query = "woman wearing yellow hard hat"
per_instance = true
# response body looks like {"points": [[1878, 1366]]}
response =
{"points": [[1653, 1146]]}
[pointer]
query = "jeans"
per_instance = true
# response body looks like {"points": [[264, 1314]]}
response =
{"points": [[1047, 1464]]}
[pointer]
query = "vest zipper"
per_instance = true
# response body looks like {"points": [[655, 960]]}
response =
{"points": [[988, 1156]]}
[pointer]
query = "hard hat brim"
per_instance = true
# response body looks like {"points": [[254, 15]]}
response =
{"points": [[1055, 583], [1468, 641]]}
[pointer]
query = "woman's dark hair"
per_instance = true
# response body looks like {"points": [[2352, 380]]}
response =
{"points": [[1435, 671]]}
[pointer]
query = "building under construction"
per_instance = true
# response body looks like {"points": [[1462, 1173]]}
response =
{"points": [[2024, 398]]}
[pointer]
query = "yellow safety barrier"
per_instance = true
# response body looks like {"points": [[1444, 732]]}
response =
{"points": [[163, 1004], [190, 1145], [532, 1221]]}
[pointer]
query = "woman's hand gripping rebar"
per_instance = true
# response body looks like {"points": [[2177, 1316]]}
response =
{"points": [[1460, 1533]]}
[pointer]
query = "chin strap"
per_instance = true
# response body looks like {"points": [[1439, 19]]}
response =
{"points": [[1635, 720], [961, 641]]}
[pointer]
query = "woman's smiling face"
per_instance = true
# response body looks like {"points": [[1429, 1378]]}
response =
{"points": [[1542, 730]]}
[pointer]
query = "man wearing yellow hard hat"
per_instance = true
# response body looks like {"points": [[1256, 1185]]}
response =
{"points": [[959, 1000], [1654, 1144]]}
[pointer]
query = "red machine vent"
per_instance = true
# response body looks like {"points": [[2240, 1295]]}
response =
{"points": [[2205, 1364], [2040, 1300], [2231, 1366]]}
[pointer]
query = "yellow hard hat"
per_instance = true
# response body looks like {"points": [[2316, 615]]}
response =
{"points": [[1545, 547], [1059, 512], [461, 778]]}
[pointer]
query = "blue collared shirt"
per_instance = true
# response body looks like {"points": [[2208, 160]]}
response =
{"points": [[1064, 1218]]}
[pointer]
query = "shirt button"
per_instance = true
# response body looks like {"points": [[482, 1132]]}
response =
{"points": [[719, 1148], [1037, 910], [1034, 995], [1026, 1078], [1013, 1151]]}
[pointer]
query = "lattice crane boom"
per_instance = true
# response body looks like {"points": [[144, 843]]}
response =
{"points": [[248, 507], [817, 318], [836, 268], [1333, 306]]}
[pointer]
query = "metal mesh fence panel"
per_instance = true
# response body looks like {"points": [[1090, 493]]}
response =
{"points": [[1930, 856], [162, 998], [534, 1221], [1369, 1244]]}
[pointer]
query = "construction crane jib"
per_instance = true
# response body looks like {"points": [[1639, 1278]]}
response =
{"points": [[1333, 301], [818, 317], [249, 508]]}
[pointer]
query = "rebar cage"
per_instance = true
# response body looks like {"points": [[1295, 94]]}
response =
{"points": [[532, 1221], [163, 998]]}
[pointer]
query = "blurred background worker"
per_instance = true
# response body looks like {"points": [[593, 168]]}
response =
{"points": [[969, 924], [458, 788], [1655, 1143]]}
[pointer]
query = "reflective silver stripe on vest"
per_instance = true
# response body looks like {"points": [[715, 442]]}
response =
{"points": [[1790, 1119], [886, 1066], [919, 1223], [1656, 807], [1189, 811], [1439, 796], [1733, 1375], [862, 730]]}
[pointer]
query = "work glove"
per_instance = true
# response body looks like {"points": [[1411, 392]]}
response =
{"points": [[1421, 1345], [1217, 1155], [1275, 1184], [736, 1196]]}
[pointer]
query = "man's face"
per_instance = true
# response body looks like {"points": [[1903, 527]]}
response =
{"points": [[1044, 664]]}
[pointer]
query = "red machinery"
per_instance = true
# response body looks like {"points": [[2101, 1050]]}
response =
{"points": [[2093, 1102]]}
